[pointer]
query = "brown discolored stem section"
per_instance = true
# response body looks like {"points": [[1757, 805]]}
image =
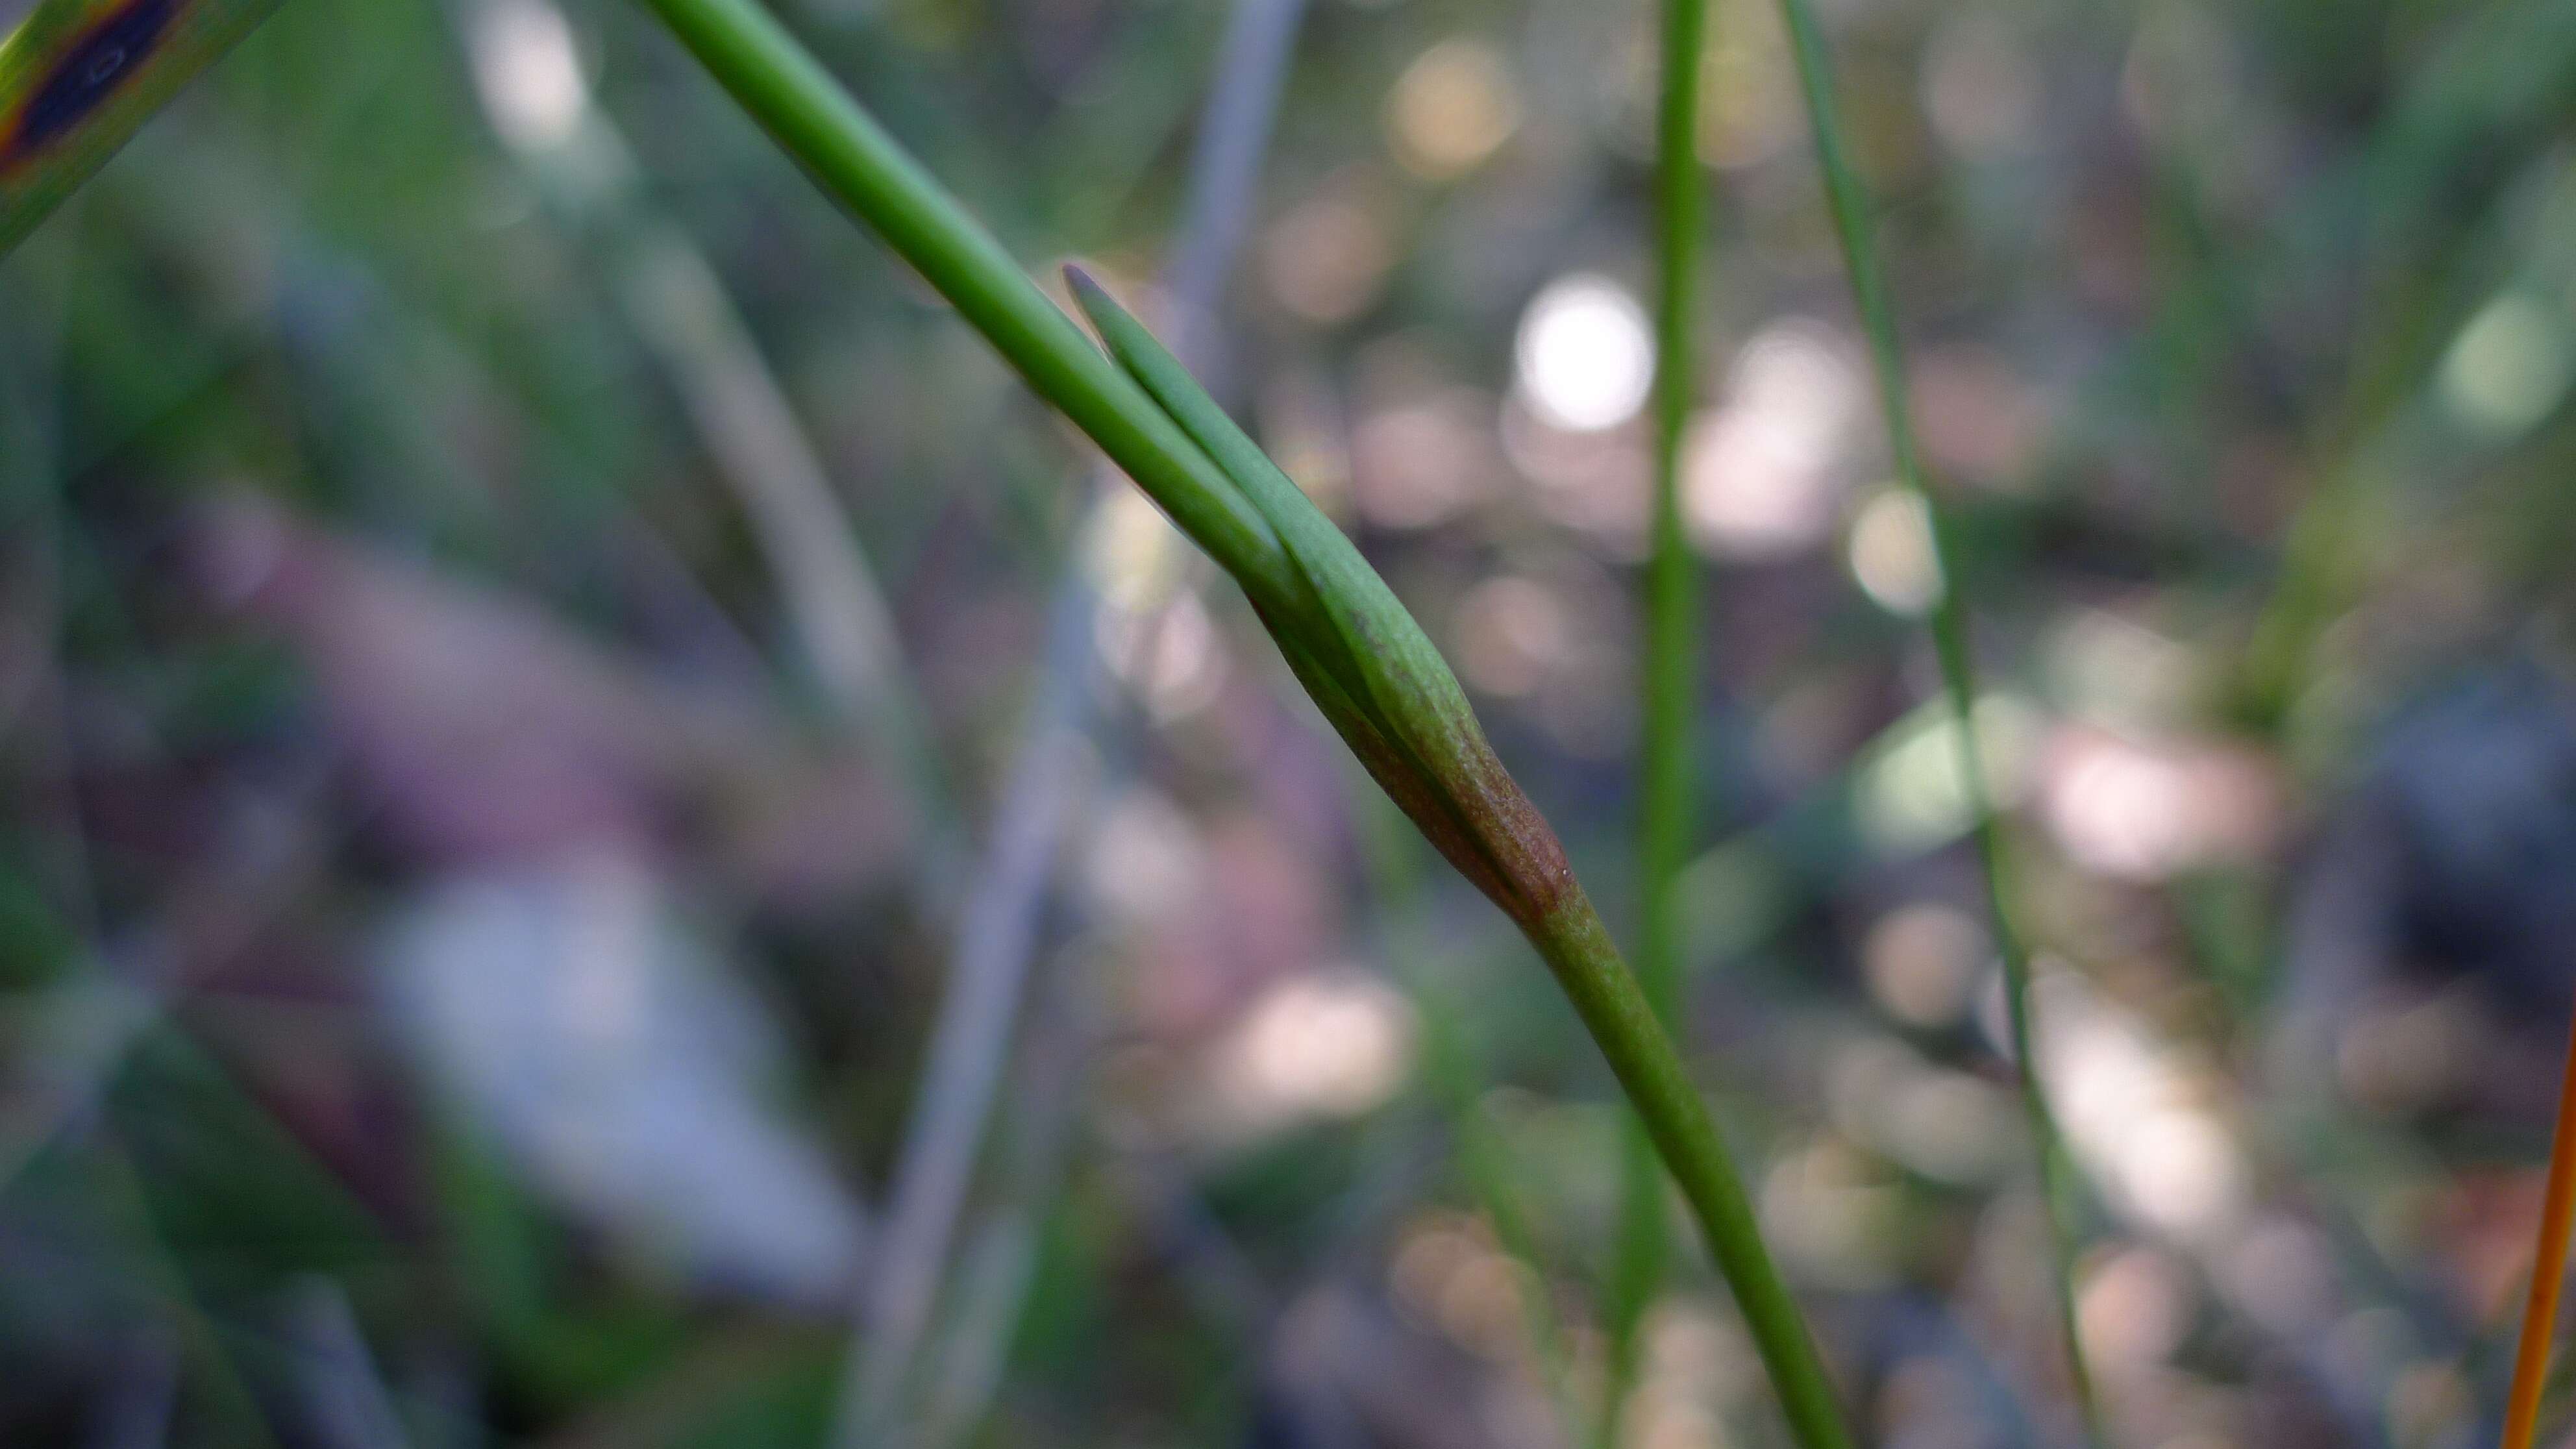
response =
{"points": [[1498, 840], [1490, 832], [1483, 825]]}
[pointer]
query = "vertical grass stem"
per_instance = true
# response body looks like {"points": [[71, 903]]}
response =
{"points": [[1666, 783], [1848, 199]]}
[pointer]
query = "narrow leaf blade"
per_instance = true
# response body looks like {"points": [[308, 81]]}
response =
{"points": [[1377, 676]]}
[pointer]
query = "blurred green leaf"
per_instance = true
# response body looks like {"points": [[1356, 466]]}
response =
{"points": [[81, 76]]}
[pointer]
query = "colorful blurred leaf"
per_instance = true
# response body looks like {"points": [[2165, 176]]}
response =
{"points": [[81, 76]]}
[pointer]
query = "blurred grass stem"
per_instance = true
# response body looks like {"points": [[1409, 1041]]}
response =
{"points": [[997, 944], [681, 311], [1666, 784], [997, 941], [1848, 199]]}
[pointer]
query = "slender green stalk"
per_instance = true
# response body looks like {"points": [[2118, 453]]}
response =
{"points": [[1399, 708], [1353, 646], [1666, 787], [1578, 950], [856, 162], [1394, 701], [1850, 204]]}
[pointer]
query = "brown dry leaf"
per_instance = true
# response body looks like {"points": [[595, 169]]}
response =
{"points": [[486, 730]]}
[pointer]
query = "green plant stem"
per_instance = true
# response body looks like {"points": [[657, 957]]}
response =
{"points": [[790, 94], [1577, 948], [1849, 201], [1666, 786], [784, 88]]}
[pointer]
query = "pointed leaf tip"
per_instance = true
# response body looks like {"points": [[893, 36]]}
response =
{"points": [[1103, 309], [1095, 301], [1368, 663]]}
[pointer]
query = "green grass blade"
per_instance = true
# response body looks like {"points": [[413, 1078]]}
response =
{"points": [[1561, 922], [818, 123], [858, 164], [80, 77], [1666, 788], [1848, 199], [1355, 627]]}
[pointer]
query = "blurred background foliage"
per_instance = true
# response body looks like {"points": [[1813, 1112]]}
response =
{"points": [[610, 839]]}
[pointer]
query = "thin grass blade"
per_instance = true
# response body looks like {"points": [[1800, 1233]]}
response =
{"points": [[1848, 199], [1358, 632], [1391, 703], [1667, 793], [853, 159]]}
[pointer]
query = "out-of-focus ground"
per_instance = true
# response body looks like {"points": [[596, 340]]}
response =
{"points": [[522, 633]]}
